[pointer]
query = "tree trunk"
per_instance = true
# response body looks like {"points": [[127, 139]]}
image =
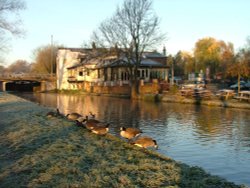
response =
{"points": [[238, 83], [172, 73], [135, 89]]}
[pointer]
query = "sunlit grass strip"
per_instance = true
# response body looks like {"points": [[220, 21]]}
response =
{"points": [[40, 152]]}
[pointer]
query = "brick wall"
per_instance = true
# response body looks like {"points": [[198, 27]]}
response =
{"points": [[148, 88], [120, 90]]}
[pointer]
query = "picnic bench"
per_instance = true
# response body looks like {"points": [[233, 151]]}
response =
{"points": [[196, 93], [226, 93], [243, 95], [202, 93], [186, 92]]}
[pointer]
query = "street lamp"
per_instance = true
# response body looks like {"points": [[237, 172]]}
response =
{"points": [[51, 56], [172, 72]]}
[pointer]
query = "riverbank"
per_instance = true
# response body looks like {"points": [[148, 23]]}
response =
{"points": [[175, 97], [37, 151], [214, 101]]}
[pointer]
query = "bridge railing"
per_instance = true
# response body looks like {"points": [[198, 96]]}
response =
{"points": [[26, 75]]}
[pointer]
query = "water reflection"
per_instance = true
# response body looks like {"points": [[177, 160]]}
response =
{"points": [[216, 139]]}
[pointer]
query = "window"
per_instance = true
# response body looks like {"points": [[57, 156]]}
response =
{"points": [[122, 76], [80, 73], [138, 73]]}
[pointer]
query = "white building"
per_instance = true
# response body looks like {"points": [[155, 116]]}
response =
{"points": [[79, 65]]}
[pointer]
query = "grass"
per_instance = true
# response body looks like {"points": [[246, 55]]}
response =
{"points": [[36, 151]]}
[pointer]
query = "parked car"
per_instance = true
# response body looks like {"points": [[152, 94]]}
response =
{"points": [[194, 85], [235, 86], [247, 85], [177, 80]]}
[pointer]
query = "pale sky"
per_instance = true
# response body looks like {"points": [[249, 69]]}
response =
{"points": [[185, 21]]}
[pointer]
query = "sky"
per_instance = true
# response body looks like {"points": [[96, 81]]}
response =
{"points": [[71, 22]]}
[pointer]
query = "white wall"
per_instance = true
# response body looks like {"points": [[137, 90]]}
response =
{"points": [[65, 58]]}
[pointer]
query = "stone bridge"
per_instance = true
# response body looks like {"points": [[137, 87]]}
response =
{"points": [[27, 82]]}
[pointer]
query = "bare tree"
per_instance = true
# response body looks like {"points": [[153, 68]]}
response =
{"points": [[133, 28], [10, 22], [19, 66], [2, 69], [45, 59], [11, 7]]}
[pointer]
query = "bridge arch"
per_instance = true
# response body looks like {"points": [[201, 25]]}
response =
{"points": [[28, 82], [22, 85]]}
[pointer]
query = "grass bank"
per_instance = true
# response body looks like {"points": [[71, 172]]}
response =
{"points": [[36, 151]]}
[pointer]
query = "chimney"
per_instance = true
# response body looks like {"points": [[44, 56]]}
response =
{"points": [[93, 46], [164, 51]]}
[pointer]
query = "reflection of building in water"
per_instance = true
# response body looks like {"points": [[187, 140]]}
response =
{"points": [[101, 106], [73, 103], [44, 99]]}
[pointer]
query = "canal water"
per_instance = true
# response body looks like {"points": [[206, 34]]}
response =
{"points": [[216, 139]]}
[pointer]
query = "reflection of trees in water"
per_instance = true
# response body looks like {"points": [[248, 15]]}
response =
{"points": [[241, 130], [224, 124], [208, 121], [214, 122], [45, 100]]}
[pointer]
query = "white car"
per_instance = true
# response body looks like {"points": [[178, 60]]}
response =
{"points": [[194, 85]]}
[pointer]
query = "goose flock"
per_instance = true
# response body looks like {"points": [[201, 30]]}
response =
{"points": [[131, 134]]}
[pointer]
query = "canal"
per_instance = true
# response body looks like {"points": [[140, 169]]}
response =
{"points": [[216, 139]]}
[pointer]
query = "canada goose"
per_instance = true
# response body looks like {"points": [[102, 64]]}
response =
{"points": [[53, 114], [91, 123], [145, 142], [73, 116], [100, 130], [79, 124], [86, 119], [130, 132], [80, 119], [91, 120]]}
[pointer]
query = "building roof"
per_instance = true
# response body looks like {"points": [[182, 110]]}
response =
{"points": [[149, 59], [153, 55], [144, 63], [151, 63], [76, 49], [119, 63]]}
